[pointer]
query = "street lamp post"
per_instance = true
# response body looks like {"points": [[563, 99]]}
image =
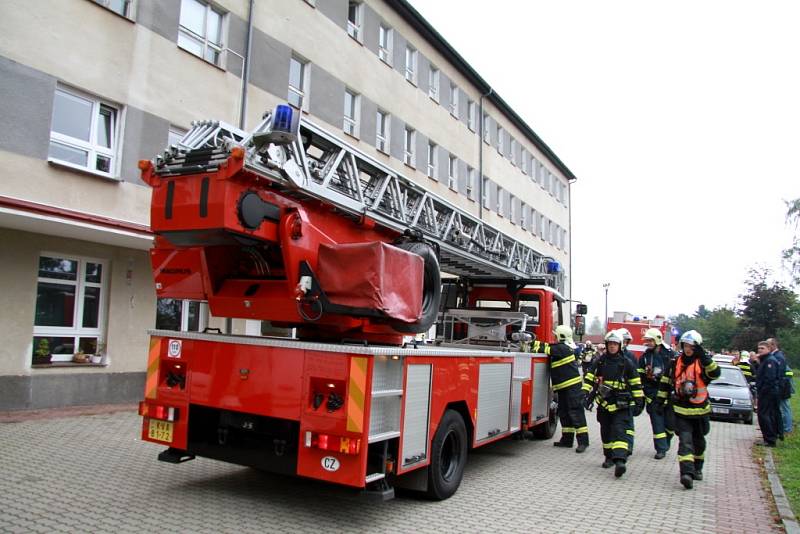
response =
{"points": [[606, 286]]}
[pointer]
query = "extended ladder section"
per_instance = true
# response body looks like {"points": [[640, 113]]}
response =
{"points": [[315, 164]]}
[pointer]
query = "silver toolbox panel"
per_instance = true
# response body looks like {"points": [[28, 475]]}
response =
{"points": [[541, 389], [522, 367], [516, 405], [416, 414], [494, 397]]}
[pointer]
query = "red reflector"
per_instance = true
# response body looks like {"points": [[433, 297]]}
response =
{"points": [[327, 442], [157, 411]]}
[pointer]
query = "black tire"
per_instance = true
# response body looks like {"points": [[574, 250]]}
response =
{"points": [[431, 289], [448, 456], [546, 430], [749, 420]]}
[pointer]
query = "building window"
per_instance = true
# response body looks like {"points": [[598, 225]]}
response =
{"points": [[454, 100], [452, 173], [523, 162], [83, 132], [355, 16], [411, 65], [298, 83], [200, 30], [352, 113], [181, 315], [470, 183], [433, 160], [512, 212], [70, 305], [523, 216], [472, 115], [121, 7], [433, 83], [500, 135], [486, 135], [382, 131], [513, 151], [409, 144], [385, 44], [485, 193], [499, 206]]}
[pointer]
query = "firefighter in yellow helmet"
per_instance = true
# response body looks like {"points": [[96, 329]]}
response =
{"points": [[614, 383], [685, 388], [566, 378], [654, 363]]}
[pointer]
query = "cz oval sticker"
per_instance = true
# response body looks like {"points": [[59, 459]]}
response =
{"points": [[329, 463]]}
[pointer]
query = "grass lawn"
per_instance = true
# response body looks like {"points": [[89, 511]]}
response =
{"points": [[787, 455]]}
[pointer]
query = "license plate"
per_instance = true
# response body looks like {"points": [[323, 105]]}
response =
{"points": [[720, 410], [160, 430]]}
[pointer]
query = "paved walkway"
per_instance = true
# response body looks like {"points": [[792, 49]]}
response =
{"points": [[92, 473]]}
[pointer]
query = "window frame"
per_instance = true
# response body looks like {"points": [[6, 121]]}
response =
{"points": [[487, 133], [382, 141], [389, 49], [485, 193], [411, 70], [302, 93], [202, 314], [91, 147], [409, 146], [513, 151], [130, 8], [500, 144], [472, 115], [470, 183], [220, 47], [80, 284], [355, 29], [454, 94], [452, 172], [434, 77], [353, 122], [433, 160]]}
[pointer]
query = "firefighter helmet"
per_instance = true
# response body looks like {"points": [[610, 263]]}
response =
{"points": [[614, 337], [654, 334], [563, 333], [744, 354], [692, 337], [626, 335]]}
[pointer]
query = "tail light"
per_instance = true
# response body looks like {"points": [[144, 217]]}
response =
{"points": [[327, 442], [158, 411]]}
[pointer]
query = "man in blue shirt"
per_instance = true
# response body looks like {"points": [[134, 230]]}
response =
{"points": [[788, 389]]}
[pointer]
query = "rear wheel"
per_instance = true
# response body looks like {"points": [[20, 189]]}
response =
{"points": [[431, 288], [448, 456]]}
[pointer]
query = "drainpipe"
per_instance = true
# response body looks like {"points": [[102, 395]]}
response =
{"points": [[480, 154], [246, 66], [569, 225]]}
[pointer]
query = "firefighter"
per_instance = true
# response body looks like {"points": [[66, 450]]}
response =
{"points": [[654, 363], [588, 356], [630, 433], [742, 361], [566, 377], [614, 383], [685, 389]]}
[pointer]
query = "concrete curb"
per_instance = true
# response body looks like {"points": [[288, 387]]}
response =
{"points": [[787, 516]]}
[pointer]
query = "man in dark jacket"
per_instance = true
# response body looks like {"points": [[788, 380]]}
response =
{"points": [[787, 387], [566, 378], [655, 363], [685, 388], [768, 385]]}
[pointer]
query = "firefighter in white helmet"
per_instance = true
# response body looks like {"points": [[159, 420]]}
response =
{"points": [[566, 378], [655, 363], [685, 387], [630, 433], [614, 383]]}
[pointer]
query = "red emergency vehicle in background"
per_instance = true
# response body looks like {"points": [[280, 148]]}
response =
{"points": [[292, 225], [637, 326]]}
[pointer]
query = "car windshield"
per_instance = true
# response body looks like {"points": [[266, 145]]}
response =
{"points": [[731, 376]]}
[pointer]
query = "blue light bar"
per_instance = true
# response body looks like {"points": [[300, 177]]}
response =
{"points": [[553, 267], [282, 119]]}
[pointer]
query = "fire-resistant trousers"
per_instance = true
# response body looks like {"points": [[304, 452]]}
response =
{"points": [[572, 416], [769, 417], [613, 432], [658, 422], [692, 442]]}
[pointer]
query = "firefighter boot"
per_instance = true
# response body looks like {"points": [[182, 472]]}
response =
{"points": [[566, 440], [583, 442], [687, 480], [619, 468], [698, 470], [608, 463]]}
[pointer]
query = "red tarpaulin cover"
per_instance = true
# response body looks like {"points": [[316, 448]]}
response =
{"points": [[376, 276]]}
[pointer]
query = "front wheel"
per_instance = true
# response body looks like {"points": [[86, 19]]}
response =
{"points": [[448, 456]]}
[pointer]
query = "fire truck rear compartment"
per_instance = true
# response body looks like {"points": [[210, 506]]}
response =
{"points": [[266, 443]]}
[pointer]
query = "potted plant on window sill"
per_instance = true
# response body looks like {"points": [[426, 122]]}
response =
{"points": [[41, 355], [80, 357], [99, 356]]}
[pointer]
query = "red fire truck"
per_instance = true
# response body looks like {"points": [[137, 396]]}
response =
{"points": [[637, 326], [292, 225]]}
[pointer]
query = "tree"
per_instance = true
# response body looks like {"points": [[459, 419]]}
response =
{"points": [[721, 328], [702, 312], [791, 255], [596, 327], [770, 306]]}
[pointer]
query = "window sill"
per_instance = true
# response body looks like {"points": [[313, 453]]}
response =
{"points": [[410, 165], [204, 60], [66, 364], [351, 135], [356, 39], [386, 62], [412, 82], [125, 17], [83, 170], [434, 98]]}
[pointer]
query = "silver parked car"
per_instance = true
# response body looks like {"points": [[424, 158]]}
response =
{"points": [[730, 396]]}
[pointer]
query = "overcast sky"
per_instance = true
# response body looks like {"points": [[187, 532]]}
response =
{"points": [[680, 119]]}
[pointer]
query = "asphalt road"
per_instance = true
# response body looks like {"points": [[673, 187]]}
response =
{"points": [[91, 473]]}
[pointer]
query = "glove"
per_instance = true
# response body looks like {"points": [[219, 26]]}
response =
{"points": [[637, 410], [587, 401]]}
